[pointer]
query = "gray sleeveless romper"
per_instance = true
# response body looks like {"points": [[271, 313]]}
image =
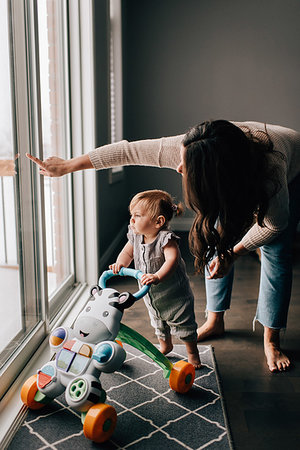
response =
{"points": [[170, 303]]}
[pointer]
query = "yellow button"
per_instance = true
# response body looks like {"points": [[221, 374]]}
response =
{"points": [[86, 350]]}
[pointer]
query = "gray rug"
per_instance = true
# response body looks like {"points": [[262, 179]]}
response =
{"points": [[150, 414]]}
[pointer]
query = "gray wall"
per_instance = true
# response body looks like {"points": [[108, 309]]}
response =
{"points": [[112, 198], [185, 61]]}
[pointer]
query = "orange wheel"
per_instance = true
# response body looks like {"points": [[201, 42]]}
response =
{"points": [[28, 391], [182, 377], [100, 422]]}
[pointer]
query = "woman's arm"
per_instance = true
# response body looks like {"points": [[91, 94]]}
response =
{"points": [[171, 253], [163, 152]]}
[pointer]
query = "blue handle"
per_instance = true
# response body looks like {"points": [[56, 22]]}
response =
{"points": [[125, 272]]}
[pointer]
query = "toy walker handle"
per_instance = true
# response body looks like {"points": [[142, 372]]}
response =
{"points": [[125, 272]]}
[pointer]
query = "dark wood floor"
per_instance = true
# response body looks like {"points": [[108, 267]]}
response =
{"points": [[263, 408]]}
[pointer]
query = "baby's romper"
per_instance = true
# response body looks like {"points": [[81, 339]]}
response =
{"points": [[170, 303]]}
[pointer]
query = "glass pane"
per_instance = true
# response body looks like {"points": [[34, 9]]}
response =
{"points": [[55, 140], [13, 324]]}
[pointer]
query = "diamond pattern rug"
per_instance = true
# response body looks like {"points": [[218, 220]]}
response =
{"points": [[150, 414]]}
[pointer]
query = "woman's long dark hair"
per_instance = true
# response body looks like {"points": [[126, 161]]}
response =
{"points": [[228, 182]]}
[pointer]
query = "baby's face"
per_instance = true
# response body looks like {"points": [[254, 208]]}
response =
{"points": [[141, 222]]}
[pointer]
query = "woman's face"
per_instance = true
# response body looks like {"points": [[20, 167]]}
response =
{"points": [[180, 167]]}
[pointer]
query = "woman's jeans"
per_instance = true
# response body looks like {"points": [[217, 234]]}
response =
{"points": [[276, 273]]}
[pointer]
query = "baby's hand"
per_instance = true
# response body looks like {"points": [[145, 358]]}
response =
{"points": [[116, 267], [149, 278]]}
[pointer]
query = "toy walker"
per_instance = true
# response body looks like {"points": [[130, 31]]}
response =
{"points": [[92, 346]]}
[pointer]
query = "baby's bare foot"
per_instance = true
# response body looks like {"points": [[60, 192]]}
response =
{"points": [[193, 354], [165, 346], [276, 359], [193, 358]]}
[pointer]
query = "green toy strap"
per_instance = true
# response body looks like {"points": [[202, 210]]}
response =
{"points": [[133, 338]]}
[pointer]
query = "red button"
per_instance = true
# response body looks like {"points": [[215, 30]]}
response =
{"points": [[43, 379], [68, 345]]}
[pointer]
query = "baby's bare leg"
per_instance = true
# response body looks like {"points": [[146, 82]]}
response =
{"points": [[166, 345], [193, 353]]}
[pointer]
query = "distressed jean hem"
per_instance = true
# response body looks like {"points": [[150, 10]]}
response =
{"points": [[220, 310], [259, 321]]}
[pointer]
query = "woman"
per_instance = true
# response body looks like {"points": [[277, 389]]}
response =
{"points": [[242, 179]]}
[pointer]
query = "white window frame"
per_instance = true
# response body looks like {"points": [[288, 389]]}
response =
{"points": [[83, 138]]}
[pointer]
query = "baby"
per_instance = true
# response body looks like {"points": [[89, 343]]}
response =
{"points": [[154, 249]]}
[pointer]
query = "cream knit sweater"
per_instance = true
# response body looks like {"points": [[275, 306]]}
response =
{"points": [[165, 152]]}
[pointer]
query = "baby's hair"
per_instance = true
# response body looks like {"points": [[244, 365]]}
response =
{"points": [[157, 203]]}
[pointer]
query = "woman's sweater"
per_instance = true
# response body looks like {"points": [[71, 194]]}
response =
{"points": [[165, 152]]}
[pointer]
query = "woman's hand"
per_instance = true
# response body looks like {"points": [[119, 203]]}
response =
{"points": [[218, 270], [51, 167], [116, 267], [150, 278], [56, 167]]}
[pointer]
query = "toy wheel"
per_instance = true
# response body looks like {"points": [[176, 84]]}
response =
{"points": [[100, 422], [28, 391], [182, 377]]}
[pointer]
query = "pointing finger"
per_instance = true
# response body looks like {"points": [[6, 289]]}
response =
{"points": [[36, 160]]}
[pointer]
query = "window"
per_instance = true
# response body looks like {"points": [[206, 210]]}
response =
{"points": [[44, 234]]}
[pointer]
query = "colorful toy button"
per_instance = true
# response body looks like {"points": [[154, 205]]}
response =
{"points": [[86, 350], [49, 370], [43, 379], [57, 337], [64, 359], [103, 353], [69, 344]]}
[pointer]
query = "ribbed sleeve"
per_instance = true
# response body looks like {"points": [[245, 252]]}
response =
{"points": [[163, 152], [287, 142]]}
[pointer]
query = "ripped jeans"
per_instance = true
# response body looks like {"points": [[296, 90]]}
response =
{"points": [[275, 277]]}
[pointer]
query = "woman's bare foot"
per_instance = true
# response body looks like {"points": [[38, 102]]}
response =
{"points": [[276, 360], [214, 326], [193, 354], [165, 346]]}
